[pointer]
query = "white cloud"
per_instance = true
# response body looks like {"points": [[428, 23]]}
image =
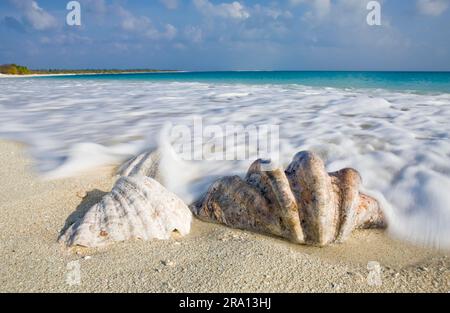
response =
{"points": [[170, 32], [321, 7], [34, 15], [129, 22], [143, 25], [272, 12], [66, 39], [96, 6], [432, 7], [194, 34], [234, 10], [170, 4]]}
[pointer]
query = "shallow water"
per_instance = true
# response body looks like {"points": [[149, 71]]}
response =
{"points": [[417, 81], [399, 141]]}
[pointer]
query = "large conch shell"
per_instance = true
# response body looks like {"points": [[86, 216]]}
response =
{"points": [[138, 207], [303, 204], [145, 164]]}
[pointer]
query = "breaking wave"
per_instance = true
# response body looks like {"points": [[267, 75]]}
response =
{"points": [[399, 141]]}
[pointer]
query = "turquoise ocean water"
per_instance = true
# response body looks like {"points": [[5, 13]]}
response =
{"points": [[402, 81]]}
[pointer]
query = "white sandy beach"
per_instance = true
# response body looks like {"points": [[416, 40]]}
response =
{"points": [[34, 75], [211, 259], [74, 74]]}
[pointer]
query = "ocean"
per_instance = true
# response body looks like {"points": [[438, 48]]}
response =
{"points": [[403, 81], [392, 127]]}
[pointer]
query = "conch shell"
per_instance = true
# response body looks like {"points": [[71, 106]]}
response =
{"points": [[138, 207], [303, 204], [145, 164]]}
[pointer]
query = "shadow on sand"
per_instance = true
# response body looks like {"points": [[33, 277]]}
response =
{"points": [[93, 197]]}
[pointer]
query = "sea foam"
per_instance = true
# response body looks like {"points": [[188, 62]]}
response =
{"points": [[399, 141]]}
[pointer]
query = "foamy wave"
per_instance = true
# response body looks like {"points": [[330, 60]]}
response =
{"points": [[398, 141]]}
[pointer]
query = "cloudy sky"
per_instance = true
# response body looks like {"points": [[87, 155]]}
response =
{"points": [[227, 35]]}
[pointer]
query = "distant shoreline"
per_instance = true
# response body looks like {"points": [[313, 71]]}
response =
{"points": [[44, 73], [37, 74]]}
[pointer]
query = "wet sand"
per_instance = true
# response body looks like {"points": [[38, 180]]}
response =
{"points": [[212, 258]]}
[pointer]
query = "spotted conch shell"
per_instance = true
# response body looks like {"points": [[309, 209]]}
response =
{"points": [[303, 204], [138, 207]]}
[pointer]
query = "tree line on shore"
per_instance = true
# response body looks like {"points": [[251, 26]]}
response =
{"points": [[14, 69]]}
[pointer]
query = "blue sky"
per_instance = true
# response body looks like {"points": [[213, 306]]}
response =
{"points": [[227, 35]]}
